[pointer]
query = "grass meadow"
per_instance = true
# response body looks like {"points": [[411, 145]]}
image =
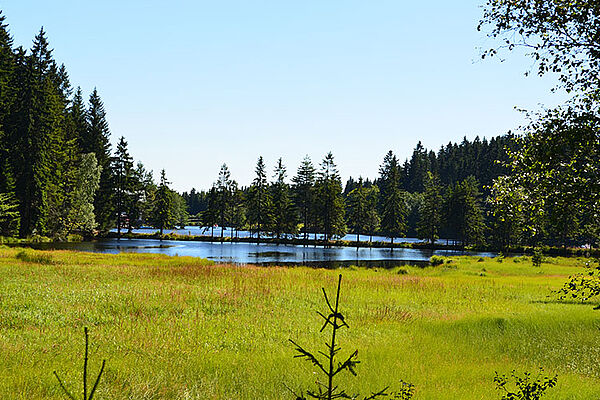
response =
{"points": [[183, 328]]}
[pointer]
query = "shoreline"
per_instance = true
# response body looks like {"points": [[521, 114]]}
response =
{"points": [[525, 250]]}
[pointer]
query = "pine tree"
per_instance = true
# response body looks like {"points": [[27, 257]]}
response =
{"points": [[224, 198], [358, 209], [9, 215], [237, 215], [283, 213], [464, 215], [329, 199], [142, 197], [430, 213], [210, 216], [393, 203], [78, 119], [123, 174], [7, 64], [96, 140], [36, 136], [259, 199], [304, 194], [373, 219], [163, 213]]}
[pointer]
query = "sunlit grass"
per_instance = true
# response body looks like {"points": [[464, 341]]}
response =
{"points": [[183, 328]]}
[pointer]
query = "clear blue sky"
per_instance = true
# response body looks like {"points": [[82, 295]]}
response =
{"points": [[194, 84]]}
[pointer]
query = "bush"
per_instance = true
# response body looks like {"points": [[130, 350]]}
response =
{"points": [[436, 260], [538, 258], [525, 387], [583, 286]]}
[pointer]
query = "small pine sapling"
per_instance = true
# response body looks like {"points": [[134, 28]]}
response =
{"points": [[85, 366], [331, 367], [526, 387], [537, 258]]}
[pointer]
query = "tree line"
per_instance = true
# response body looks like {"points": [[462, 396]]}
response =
{"points": [[58, 172], [406, 199]]}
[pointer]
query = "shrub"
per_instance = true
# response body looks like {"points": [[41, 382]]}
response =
{"points": [[538, 258], [436, 260], [524, 387], [583, 286]]}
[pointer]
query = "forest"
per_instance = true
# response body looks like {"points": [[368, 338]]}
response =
{"points": [[62, 179]]}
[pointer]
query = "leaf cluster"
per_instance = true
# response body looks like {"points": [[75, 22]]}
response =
{"points": [[524, 387]]}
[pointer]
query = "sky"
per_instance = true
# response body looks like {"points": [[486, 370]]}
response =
{"points": [[195, 84]]}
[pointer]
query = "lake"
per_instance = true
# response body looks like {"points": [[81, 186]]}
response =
{"points": [[264, 254]]}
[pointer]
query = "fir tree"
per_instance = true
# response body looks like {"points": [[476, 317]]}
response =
{"points": [[96, 140], [224, 198], [259, 199], [304, 193], [464, 215], [283, 214], [329, 199], [393, 203], [373, 220], [430, 213], [358, 209], [163, 214], [123, 174]]}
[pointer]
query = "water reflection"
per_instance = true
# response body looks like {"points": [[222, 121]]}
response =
{"points": [[263, 254]]}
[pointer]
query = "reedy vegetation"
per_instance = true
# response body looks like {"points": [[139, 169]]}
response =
{"points": [[179, 327]]}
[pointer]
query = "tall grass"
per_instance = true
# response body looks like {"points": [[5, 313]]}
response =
{"points": [[184, 328]]}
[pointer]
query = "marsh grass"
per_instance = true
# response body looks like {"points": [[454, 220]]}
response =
{"points": [[31, 256], [185, 328]]}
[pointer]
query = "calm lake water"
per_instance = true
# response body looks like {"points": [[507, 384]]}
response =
{"points": [[227, 232], [264, 254]]}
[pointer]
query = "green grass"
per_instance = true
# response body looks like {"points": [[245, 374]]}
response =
{"points": [[182, 328]]}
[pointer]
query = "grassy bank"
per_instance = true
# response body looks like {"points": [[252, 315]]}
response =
{"points": [[182, 328]]}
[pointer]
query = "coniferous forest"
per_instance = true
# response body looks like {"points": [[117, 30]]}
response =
{"points": [[62, 179]]}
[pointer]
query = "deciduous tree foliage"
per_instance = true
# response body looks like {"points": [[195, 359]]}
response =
{"points": [[561, 36]]}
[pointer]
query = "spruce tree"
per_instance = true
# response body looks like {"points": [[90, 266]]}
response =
{"points": [[304, 194], [259, 200], [96, 140], [358, 209], [464, 215], [36, 136], [123, 175], [329, 199], [430, 212], [224, 198], [373, 218], [393, 202], [7, 63], [163, 213], [283, 214]]}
